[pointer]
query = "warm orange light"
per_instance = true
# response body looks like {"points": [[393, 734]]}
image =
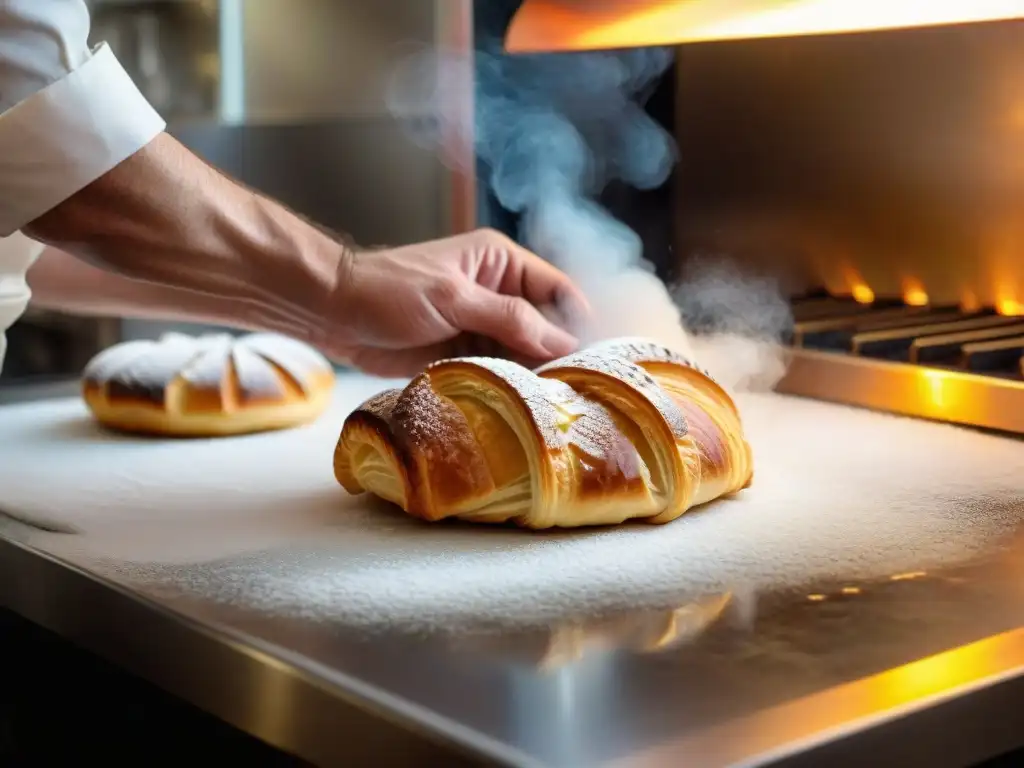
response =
{"points": [[969, 303], [911, 575], [931, 675], [851, 590], [937, 388], [837, 710], [862, 294], [558, 25], [915, 297], [1010, 308]]}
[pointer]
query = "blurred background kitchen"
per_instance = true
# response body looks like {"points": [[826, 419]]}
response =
{"points": [[289, 97]]}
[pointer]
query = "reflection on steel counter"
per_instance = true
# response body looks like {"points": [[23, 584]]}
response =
{"points": [[858, 641], [645, 632]]}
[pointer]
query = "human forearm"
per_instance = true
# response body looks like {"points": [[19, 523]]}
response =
{"points": [[164, 216], [61, 282]]}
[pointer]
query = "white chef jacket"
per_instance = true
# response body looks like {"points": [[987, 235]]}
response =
{"points": [[68, 114]]}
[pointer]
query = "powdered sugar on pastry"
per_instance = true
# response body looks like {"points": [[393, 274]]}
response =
{"points": [[257, 380], [208, 368], [207, 385], [301, 362]]}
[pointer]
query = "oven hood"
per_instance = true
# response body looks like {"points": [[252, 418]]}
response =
{"points": [[578, 25]]}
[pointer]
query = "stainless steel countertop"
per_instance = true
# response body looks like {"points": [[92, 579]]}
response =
{"points": [[915, 668], [788, 679]]}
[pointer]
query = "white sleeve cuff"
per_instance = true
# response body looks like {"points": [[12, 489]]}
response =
{"points": [[66, 136]]}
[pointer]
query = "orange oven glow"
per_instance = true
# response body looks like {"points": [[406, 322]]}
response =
{"points": [[567, 25], [862, 294], [969, 303], [915, 296], [1010, 308]]}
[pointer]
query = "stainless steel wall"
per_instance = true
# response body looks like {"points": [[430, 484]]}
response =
{"points": [[288, 97], [888, 161]]}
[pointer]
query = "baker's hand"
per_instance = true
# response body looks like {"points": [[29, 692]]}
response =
{"points": [[478, 293]]}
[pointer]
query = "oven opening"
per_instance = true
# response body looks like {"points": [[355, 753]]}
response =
{"points": [[877, 179]]}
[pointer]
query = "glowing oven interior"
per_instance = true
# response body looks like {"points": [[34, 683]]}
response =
{"points": [[879, 177]]}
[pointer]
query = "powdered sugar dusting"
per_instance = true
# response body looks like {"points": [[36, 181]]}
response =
{"points": [[209, 368], [608, 462], [640, 351], [629, 373], [418, 415], [148, 367], [148, 374], [382, 404], [434, 431], [298, 360], [541, 396], [257, 379], [261, 523], [428, 425], [113, 359]]}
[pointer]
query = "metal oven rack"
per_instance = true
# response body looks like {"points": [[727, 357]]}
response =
{"points": [[941, 363]]}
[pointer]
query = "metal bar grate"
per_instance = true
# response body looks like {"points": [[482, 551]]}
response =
{"points": [[930, 362]]}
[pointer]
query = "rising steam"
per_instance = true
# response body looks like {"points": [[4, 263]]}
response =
{"points": [[741, 318], [551, 132]]}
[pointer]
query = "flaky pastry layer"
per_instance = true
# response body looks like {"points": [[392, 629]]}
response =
{"points": [[624, 430]]}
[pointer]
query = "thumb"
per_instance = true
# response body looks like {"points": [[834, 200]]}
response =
{"points": [[513, 322]]}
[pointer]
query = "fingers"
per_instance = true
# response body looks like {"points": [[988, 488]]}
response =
{"points": [[544, 285], [511, 321]]}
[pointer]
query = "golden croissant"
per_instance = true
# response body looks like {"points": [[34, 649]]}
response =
{"points": [[622, 430]]}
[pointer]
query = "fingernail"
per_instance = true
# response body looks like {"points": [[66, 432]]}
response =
{"points": [[575, 306], [558, 343]]}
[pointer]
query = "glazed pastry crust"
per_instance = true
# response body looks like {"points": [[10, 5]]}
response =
{"points": [[624, 430], [181, 386]]}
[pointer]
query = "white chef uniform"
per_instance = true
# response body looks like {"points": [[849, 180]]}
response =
{"points": [[68, 114]]}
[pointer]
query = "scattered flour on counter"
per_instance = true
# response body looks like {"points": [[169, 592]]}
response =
{"points": [[260, 522]]}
